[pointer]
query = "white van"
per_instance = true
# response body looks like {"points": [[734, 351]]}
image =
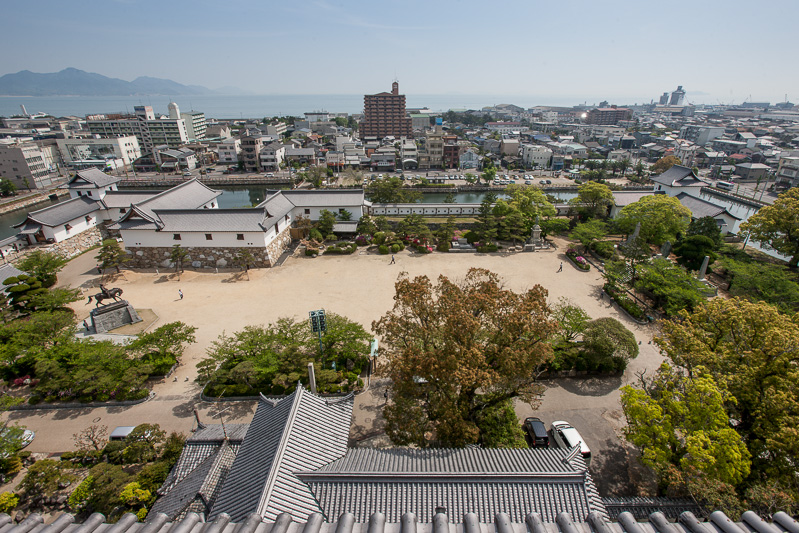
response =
{"points": [[725, 185]]}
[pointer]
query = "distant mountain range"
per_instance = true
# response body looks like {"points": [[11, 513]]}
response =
{"points": [[74, 82]]}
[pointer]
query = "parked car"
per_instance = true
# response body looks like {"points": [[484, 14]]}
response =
{"points": [[549, 182], [568, 437], [537, 431], [187, 173], [542, 182], [528, 182]]}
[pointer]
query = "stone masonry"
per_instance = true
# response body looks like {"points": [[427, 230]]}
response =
{"points": [[206, 257]]}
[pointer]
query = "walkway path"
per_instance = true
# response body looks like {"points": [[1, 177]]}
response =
{"points": [[358, 286]]}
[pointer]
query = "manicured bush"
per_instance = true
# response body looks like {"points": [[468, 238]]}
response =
{"points": [[487, 248], [422, 249], [383, 249], [395, 248], [363, 240], [471, 237], [316, 235], [443, 246], [380, 237], [331, 237], [311, 252], [8, 501]]}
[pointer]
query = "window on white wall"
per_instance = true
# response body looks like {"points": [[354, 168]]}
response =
{"points": [[209, 237], [239, 236], [176, 236]]}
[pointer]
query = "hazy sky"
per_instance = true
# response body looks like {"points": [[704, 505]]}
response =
{"points": [[624, 51]]}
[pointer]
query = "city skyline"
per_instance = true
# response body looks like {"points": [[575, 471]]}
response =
{"points": [[622, 51]]}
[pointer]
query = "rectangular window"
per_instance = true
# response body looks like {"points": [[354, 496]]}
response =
{"points": [[176, 236], [307, 211], [239, 236], [209, 237]]}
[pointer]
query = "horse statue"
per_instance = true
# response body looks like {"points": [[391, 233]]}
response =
{"points": [[105, 294]]}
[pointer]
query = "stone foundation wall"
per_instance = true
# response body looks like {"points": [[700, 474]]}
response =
{"points": [[77, 244], [206, 257]]}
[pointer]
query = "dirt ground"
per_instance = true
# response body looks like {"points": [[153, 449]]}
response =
{"points": [[360, 287]]}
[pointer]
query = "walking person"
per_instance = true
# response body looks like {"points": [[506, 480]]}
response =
{"points": [[561, 267], [392, 260], [180, 293]]}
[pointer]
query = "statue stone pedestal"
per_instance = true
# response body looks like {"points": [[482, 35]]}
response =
{"points": [[535, 242], [112, 316]]}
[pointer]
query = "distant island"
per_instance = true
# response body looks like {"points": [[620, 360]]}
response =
{"points": [[74, 82]]}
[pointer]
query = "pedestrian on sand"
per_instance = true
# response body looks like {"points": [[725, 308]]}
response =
{"points": [[392, 260], [385, 394], [561, 267], [180, 293]]}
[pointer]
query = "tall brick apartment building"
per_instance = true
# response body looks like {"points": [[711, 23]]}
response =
{"points": [[384, 114]]}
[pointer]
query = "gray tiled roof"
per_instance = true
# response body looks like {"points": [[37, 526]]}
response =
{"points": [[678, 176], [657, 523], [58, 214], [700, 208], [90, 178], [300, 432], [623, 198], [482, 481], [300, 198], [117, 199], [188, 195], [210, 220]]}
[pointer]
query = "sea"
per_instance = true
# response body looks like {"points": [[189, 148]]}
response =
{"points": [[258, 106]]}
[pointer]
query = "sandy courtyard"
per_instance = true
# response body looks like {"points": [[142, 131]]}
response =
{"points": [[360, 287]]}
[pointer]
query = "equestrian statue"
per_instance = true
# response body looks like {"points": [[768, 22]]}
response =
{"points": [[105, 294]]}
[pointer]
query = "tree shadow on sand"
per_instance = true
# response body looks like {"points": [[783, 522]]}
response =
{"points": [[618, 472]]}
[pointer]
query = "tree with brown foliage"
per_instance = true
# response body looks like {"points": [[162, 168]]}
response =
{"points": [[458, 349]]}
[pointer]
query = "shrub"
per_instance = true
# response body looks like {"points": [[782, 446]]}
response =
{"points": [[487, 248], [315, 235], [77, 500], [443, 246], [395, 248], [471, 237], [8, 501], [578, 260], [363, 240], [625, 302], [11, 466], [604, 249], [311, 251], [380, 237], [383, 249], [422, 249], [331, 238]]}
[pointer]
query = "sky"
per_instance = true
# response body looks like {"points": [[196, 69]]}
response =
{"points": [[624, 51]]}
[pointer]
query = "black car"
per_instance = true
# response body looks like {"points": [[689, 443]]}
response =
{"points": [[537, 431]]}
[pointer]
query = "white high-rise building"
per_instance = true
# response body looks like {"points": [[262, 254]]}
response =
{"points": [[148, 130]]}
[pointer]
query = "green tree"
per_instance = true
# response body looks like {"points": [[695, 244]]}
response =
{"points": [[43, 479], [756, 281], [639, 169], [169, 340], [662, 218], [670, 286], [455, 349], [177, 256], [450, 198], [663, 164], [554, 226], [487, 224], [489, 174], [592, 200], [777, 225], [608, 344], [7, 188], [571, 318], [691, 251], [681, 420], [326, 222], [55, 299], [753, 351], [391, 191], [531, 202], [344, 215], [589, 232], [111, 255], [43, 265], [624, 164], [414, 226], [366, 226], [21, 289], [243, 258], [707, 227]]}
